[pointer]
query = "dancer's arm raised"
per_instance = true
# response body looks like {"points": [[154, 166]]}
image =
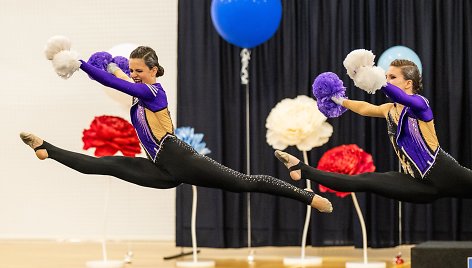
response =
{"points": [[140, 90], [364, 108]]}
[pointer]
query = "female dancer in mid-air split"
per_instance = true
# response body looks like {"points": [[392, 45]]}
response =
{"points": [[431, 172], [170, 161]]}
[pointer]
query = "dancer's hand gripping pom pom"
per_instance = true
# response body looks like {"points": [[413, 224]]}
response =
{"points": [[64, 60], [122, 63], [326, 87], [106, 62]]}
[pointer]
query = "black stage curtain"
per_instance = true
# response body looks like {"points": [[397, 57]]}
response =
{"points": [[314, 37]]}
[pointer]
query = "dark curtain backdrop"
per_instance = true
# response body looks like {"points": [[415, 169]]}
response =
{"points": [[314, 37]]}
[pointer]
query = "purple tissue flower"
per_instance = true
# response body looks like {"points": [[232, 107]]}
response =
{"points": [[123, 63], [325, 86]]}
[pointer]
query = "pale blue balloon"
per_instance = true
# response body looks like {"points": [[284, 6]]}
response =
{"points": [[399, 52]]}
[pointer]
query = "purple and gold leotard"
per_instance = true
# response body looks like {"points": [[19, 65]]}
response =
{"points": [[149, 113], [413, 135]]}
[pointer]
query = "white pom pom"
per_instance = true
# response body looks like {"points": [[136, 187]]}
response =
{"points": [[370, 79], [65, 63], [55, 45], [357, 59]]}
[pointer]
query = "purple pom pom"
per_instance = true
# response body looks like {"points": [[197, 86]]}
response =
{"points": [[123, 63], [100, 60], [325, 86]]}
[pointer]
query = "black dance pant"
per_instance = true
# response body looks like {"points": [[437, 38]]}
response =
{"points": [[176, 163], [446, 178]]}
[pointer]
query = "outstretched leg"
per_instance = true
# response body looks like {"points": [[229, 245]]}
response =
{"points": [[136, 170], [393, 185], [450, 178], [190, 167]]}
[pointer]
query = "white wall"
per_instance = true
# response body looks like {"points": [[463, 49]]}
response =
{"points": [[43, 199]]}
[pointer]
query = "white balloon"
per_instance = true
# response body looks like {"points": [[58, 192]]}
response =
{"points": [[122, 50]]}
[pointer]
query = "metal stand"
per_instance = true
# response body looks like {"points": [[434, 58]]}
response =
{"points": [[105, 263], [304, 260], [245, 57], [179, 255], [195, 262], [365, 263]]}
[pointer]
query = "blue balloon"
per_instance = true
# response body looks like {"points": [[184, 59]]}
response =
{"points": [[399, 52], [246, 23]]}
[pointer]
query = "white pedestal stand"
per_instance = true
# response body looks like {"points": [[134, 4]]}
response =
{"points": [[304, 260], [365, 263], [195, 262], [105, 263]]}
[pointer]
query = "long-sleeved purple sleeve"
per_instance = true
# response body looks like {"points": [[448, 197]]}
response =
{"points": [[417, 103], [139, 90]]}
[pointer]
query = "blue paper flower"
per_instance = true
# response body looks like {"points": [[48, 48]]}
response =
{"points": [[187, 135]]}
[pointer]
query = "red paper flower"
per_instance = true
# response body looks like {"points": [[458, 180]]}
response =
{"points": [[345, 159], [110, 134]]}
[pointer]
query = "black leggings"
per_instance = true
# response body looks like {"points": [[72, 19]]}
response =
{"points": [[445, 179], [176, 163]]}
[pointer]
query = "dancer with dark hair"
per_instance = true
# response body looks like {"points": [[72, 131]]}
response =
{"points": [[431, 173], [170, 161]]}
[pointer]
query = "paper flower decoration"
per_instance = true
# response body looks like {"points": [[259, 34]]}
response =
{"points": [[297, 122], [187, 135], [110, 134], [345, 159], [325, 86]]}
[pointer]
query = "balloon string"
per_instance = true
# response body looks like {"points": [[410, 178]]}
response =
{"points": [[245, 57]]}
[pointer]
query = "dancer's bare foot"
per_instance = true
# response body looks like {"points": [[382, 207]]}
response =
{"points": [[289, 161], [321, 204], [34, 141]]}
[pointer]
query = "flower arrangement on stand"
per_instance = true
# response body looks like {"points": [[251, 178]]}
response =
{"points": [[195, 140], [298, 122], [350, 160], [110, 135]]}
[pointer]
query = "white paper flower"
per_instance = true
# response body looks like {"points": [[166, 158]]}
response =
{"points": [[297, 122]]}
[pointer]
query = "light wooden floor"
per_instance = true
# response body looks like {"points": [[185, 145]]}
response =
{"points": [[147, 254]]}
